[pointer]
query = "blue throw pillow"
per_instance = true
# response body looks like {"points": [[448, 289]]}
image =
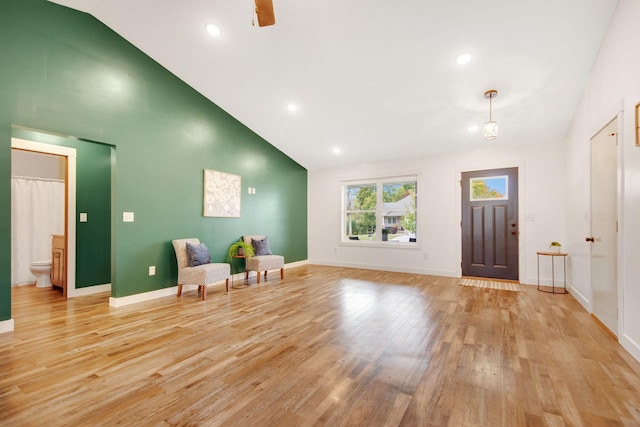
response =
{"points": [[198, 254], [261, 247]]}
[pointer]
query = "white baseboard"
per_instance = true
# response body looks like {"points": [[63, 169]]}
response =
{"points": [[160, 293], [24, 283], [532, 281], [387, 268], [6, 326], [240, 276], [296, 264], [543, 282], [144, 296], [89, 290], [630, 345], [527, 284], [584, 302]]}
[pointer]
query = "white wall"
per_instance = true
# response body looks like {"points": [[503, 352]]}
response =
{"points": [[613, 87], [541, 201]]}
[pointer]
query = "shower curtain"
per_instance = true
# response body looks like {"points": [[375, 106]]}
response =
{"points": [[37, 212]]}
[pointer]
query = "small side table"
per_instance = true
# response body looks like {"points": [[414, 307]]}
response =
{"points": [[553, 256], [246, 281]]}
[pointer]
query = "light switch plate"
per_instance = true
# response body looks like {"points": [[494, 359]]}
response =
{"points": [[152, 270], [127, 216], [83, 217]]}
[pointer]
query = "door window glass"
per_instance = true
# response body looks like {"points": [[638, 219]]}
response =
{"points": [[489, 188]]}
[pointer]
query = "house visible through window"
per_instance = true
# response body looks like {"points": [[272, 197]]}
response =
{"points": [[380, 210]]}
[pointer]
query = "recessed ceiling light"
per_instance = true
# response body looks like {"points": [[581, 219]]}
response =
{"points": [[292, 107], [337, 150], [214, 30], [473, 128], [463, 59]]}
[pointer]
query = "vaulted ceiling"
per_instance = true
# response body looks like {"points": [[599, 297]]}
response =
{"points": [[377, 79]]}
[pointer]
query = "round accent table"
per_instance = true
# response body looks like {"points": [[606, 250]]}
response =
{"points": [[553, 256]]}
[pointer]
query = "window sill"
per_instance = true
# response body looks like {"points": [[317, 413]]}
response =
{"points": [[386, 245]]}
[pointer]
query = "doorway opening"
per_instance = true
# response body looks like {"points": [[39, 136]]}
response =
{"points": [[37, 218], [69, 226]]}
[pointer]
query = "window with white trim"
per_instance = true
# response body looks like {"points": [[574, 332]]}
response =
{"points": [[382, 210]]}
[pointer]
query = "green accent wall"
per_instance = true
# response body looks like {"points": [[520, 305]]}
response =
{"points": [[66, 73]]}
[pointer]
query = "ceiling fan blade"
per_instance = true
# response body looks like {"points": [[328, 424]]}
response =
{"points": [[264, 10]]}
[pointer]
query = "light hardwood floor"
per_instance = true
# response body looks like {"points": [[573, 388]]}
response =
{"points": [[325, 346]]}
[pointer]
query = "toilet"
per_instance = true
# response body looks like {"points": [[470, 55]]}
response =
{"points": [[42, 270]]}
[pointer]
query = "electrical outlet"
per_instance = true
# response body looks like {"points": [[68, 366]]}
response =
{"points": [[152, 270], [83, 217]]}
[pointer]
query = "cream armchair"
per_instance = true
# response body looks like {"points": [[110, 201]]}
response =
{"points": [[201, 275], [263, 260]]}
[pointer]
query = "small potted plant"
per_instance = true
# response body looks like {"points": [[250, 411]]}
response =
{"points": [[555, 246], [240, 248]]}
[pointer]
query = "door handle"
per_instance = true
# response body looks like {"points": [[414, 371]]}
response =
{"points": [[590, 239], [514, 232]]}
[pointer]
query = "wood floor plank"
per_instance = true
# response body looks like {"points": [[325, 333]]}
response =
{"points": [[325, 346]]}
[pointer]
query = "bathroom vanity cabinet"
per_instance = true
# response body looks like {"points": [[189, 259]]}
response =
{"points": [[58, 263]]}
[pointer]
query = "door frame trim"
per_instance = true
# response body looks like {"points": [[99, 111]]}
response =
{"points": [[522, 236], [70, 182]]}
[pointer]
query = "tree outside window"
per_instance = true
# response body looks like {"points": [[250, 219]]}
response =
{"points": [[381, 210]]}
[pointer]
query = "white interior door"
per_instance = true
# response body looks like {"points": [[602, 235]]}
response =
{"points": [[604, 226]]}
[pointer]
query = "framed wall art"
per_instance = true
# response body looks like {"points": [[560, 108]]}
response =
{"points": [[222, 194]]}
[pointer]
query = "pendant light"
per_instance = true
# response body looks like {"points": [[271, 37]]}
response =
{"points": [[490, 130]]}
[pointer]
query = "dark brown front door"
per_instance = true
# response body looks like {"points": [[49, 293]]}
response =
{"points": [[490, 223]]}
